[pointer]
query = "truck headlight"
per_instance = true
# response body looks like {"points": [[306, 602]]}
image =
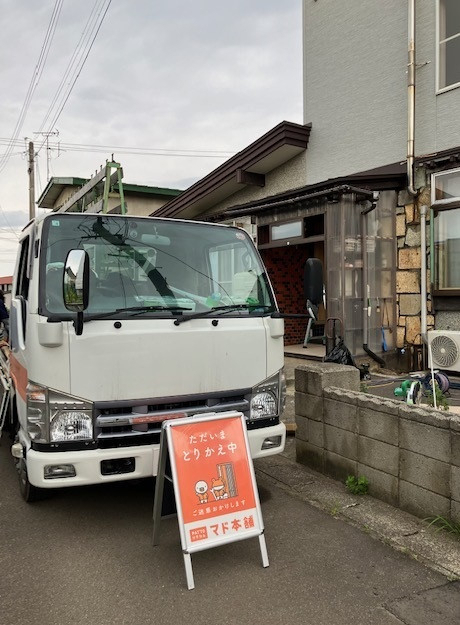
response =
{"points": [[55, 417], [263, 405], [71, 425], [71, 419], [268, 397]]}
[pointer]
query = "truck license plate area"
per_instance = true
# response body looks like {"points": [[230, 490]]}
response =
{"points": [[118, 466]]}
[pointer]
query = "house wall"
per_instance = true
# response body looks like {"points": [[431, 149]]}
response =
{"points": [[355, 86], [137, 205], [290, 175], [142, 205]]}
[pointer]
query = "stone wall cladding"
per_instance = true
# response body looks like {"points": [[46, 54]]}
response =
{"points": [[408, 271], [411, 456]]}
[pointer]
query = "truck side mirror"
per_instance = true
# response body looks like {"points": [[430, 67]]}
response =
{"points": [[313, 281], [76, 281]]}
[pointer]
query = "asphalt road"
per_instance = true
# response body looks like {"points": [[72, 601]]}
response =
{"points": [[85, 556]]}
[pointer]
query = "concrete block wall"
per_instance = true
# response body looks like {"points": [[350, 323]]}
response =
{"points": [[411, 456]]}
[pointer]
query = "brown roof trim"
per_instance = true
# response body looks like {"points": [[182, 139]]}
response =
{"points": [[438, 159], [285, 133], [389, 177], [331, 192]]}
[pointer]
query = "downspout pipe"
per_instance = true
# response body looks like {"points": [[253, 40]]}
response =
{"points": [[423, 298], [411, 68], [365, 282], [411, 98]]}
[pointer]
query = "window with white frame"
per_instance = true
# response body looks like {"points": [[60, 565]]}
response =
{"points": [[445, 187], [445, 190], [448, 44]]}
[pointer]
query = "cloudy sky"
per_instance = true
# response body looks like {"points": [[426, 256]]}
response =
{"points": [[189, 83]]}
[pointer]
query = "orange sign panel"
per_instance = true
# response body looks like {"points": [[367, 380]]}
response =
{"points": [[214, 480]]}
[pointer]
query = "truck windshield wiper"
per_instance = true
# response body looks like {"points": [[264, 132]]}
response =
{"points": [[140, 309], [217, 310], [136, 310]]}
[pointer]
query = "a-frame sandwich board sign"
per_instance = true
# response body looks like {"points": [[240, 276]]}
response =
{"points": [[214, 484]]}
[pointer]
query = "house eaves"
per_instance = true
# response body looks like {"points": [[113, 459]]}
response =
{"points": [[273, 149], [142, 190], [389, 177], [436, 160], [55, 187]]}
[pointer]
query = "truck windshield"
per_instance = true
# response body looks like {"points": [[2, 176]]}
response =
{"points": [[152, 267]]}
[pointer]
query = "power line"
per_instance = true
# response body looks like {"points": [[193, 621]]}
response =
{"points": [[68, 69], [37, 169], [37, 73], [78, 70], [7, 222], [142, 151]]}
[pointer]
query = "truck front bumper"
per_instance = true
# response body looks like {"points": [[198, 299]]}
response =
{"points": [[90, 466]]}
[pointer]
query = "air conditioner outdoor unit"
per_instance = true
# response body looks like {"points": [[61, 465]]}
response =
{"points": [[445, 349]]}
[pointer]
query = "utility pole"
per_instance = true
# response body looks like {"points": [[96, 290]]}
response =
{"points": [[47, 136], [31, 172]]}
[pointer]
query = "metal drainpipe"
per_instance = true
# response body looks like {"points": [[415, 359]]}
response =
{"points": [[365, 281], [411, 98], [423, 300], [411, 67]]}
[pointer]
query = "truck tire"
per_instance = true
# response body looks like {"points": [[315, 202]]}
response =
{"points": [[28, 492]]}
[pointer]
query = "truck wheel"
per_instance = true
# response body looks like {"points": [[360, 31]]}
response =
{"points": [[28, 492]]}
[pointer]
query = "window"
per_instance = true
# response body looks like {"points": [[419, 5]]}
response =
{"points": [[287, 230], [448, 44], [445, 189]]}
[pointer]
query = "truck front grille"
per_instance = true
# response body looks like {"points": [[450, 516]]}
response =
{"points": [[119, 424]]}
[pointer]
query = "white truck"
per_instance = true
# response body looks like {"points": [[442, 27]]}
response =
{"points": [[120, 322]]}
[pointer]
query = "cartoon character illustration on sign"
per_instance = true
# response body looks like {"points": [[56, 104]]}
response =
{"points": [[201, 490], [218, 488]]}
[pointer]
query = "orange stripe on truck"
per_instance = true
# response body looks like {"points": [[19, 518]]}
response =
{"points": [[19, 375]]}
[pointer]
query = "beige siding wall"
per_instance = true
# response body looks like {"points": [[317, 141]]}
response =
{"points": [[137, 205], [143, 206], [290, 175]]}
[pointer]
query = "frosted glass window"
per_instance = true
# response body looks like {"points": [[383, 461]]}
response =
{"points": [[287, 230]]}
